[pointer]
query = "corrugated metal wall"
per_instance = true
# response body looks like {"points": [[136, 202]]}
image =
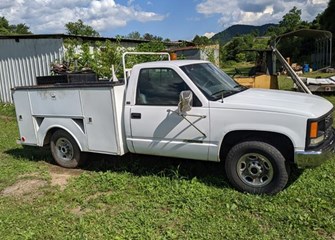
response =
{"points": [[22, 60]]}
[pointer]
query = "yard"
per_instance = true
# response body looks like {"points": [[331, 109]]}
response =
{"points": [[145, 197]]}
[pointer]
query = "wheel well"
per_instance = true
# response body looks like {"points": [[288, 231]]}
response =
{"points": [[280, 141], [49, 134]]}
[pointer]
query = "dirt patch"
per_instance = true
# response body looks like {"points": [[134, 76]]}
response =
{"points": [[78, 211], [6, 118], [60, 176], [25, 188], [31, 188]]}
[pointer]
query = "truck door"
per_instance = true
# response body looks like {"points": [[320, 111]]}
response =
{"points": [[157, 128]]}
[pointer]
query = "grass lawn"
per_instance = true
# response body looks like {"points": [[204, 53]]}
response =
{"points": [[146, 197]]}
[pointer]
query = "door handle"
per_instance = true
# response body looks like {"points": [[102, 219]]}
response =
{"points": [[135, 115]]}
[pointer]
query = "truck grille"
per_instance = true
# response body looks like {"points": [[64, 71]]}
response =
{"points": [[329, 120], [328, 126]]}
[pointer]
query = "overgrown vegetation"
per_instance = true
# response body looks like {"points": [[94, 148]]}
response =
{"points": [[7, 29], [147, 197], [99, 56], [299, 49]]}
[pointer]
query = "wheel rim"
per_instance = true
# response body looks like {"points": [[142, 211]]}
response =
{"points": [[64, 149], [255, 170]]}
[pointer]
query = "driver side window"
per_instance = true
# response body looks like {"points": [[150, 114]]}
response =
{"points": [[160, 86]]}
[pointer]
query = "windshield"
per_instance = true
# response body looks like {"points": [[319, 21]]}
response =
{"points": [[212, 82]]}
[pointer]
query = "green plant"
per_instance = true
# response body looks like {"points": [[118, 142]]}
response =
{"points": [[97, 56]]}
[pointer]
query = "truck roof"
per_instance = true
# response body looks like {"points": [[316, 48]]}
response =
{"points": [[170, 63]]}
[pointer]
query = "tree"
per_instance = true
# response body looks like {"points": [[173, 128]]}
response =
{"points": [[80, 29], [234, 50], [134, 35], [4, 26], [150, 37], [7, 29], [21, 28], [327, 18], [201, 40], [327, 21], [291, 20]]}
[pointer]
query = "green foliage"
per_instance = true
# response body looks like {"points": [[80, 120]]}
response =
{"points": [[291, 20], [238, 30], [7, 110], [106, 55], [133, 35], [100, 56], [7, 29], [235, 49], [202, 40], [327, 18], [150, 37], [97, 56], [80, 29], [152, 46], [298, 49], [146, 36]]}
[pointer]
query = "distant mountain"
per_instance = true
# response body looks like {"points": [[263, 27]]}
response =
{"points": [[226, 35]]}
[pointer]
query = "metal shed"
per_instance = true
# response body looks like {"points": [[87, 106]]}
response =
{"points": [[21, 60], [322, 54], [208, 53]]}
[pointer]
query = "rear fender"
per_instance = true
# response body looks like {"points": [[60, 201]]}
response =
{"points": [[68, 125]]}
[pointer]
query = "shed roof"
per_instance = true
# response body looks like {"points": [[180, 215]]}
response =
{"points": [[317, 34], [85, 38]]}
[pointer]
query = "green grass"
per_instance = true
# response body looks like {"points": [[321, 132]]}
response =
{"points": [[243, 67], [146, 197]]}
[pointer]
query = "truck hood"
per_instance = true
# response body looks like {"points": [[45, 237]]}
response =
{"points": [[276, 101]]}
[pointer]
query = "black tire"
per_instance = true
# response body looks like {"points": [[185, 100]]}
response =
{"points": [[256, 167], [65, 150]]}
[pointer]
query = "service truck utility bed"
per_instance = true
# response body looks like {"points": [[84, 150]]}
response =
{"points": [[94, 110]]}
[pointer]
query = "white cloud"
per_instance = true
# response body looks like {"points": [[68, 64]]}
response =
{"points": [[257, 12], [6, 3], [50, 16]]}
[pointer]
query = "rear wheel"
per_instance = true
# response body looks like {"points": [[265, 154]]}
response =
{"points": [[65, 150], [256, 167]]}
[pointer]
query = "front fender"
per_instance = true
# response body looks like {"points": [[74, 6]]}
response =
{"points": [[224, 121]]}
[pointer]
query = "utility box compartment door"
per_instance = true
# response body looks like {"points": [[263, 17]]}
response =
{"points": [[55, 102], [100, 120], [24, 117]]}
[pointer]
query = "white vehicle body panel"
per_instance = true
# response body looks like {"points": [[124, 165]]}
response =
{"points": [[93, 116]]}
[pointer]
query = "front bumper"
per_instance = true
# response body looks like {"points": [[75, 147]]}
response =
{"points": [[314, 158]]}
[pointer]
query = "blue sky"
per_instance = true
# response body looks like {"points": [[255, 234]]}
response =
{"points": [[181, 20], [173, 19]]}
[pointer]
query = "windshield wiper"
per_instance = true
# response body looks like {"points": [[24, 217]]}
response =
{"points": [[241, 87], [226, 93]]}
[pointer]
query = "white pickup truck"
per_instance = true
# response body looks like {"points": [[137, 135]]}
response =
{"points": [[185, 109]]}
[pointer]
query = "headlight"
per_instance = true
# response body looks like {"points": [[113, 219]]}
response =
{"points": [[316, 141], [317, 129]]}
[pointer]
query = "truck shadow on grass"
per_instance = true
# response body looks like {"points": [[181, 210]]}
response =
{"points": [[210, 173], [139, 165]]}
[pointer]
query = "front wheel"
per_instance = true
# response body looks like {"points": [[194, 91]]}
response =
{"points": [[256, 167], [65, 150]]}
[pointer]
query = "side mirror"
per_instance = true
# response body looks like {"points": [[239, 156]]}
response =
{"points": [[185, 102]]}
